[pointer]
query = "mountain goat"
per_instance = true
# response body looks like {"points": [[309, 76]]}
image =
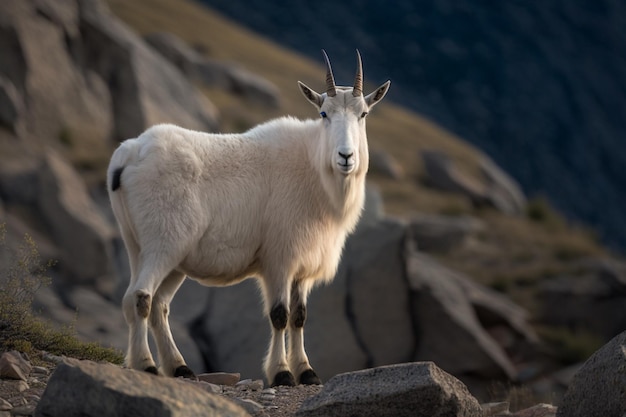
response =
{"points": [[275, 203]]}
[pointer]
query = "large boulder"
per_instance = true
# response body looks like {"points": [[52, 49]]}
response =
{"points": [[408, 389], [233, 330], [439, 233], [83, 388], [451, 334], [331, 342], [227, 76], [379, 300], [495, 189], [599, 387], [74, 221], [145, 88]]}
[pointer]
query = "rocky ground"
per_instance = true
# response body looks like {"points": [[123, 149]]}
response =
{"points": [[23, 384]]}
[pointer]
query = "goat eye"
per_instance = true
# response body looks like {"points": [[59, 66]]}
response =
{"points": [[363, 114], [323, 114]]}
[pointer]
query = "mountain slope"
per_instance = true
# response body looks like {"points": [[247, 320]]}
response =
{"points": [[538, 86]]}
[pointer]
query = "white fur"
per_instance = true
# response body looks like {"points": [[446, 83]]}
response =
{"points": [[275, 203]]}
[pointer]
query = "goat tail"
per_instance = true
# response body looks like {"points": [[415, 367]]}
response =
{"points": [[121, 159]]}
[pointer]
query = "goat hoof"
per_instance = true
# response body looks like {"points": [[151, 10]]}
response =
{"points": [[309, 377], [185, 372], [152, 370], [284, 378]]}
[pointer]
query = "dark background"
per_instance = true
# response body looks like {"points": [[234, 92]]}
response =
{"points": [[538, 85]]}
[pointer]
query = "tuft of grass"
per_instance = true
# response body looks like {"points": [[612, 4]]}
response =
{"points": [[23, 273], [570, 347]]}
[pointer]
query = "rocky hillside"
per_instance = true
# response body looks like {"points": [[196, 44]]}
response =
{"points": [[538, 86], [450, 264]]}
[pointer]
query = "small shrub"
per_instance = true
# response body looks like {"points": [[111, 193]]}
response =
{"points": [[539, 210], [22, 273]]}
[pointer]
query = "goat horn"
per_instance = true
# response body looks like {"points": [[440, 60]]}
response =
{"points": [[331, 90], [357, 90]]}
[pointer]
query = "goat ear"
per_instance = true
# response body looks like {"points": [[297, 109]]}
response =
{"points": [[315, 98], [378, 94]]}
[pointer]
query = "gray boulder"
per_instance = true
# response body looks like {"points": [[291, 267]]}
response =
{"points": [[384, 164], [451, 334], [234, 332], [379, 300], [330, 341], [495, 189], [227, 76], [598, 388], [145, 88], [75, 222], [438, 233], [408, 389], [83, 388], [11, 104]]}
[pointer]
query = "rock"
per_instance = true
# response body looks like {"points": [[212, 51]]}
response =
{"points": [[494, 409], [592, 301], [75, 221], [441, 173], [438, 233], [497, 189], [205, 386], [89, 389], [539, 410], [384, 164], [437, 293], [375, 265], [220, 378], [233, 331], [14, 366], [214, 73], [330, 339], [374, 210], [502, 191], [597, 389], [5, 405], [59, 94], [408, 389], [145, 88], [11, 104], [247, 404]]}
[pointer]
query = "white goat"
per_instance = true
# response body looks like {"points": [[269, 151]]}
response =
{"points": [[276, 203]]}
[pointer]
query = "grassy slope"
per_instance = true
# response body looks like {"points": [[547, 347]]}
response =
{"points": [[510, 254]]}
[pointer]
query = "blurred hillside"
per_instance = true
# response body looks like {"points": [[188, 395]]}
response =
{"points": [[539, 86]]}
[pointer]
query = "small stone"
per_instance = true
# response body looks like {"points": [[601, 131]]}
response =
{"points": [[206, 386], [249, 405], [25, 410], [492, 409], [220, 378], [269, 391], [49, 357], [5, 405], [243, 385], [14, 366], [22, 386], [539, 410], [40, 370], [256, 385]]}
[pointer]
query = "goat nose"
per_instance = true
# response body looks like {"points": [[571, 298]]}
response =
{"points": [[346, 155]]}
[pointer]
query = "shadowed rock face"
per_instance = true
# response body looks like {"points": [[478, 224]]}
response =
{"points": [[598, 388]]}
